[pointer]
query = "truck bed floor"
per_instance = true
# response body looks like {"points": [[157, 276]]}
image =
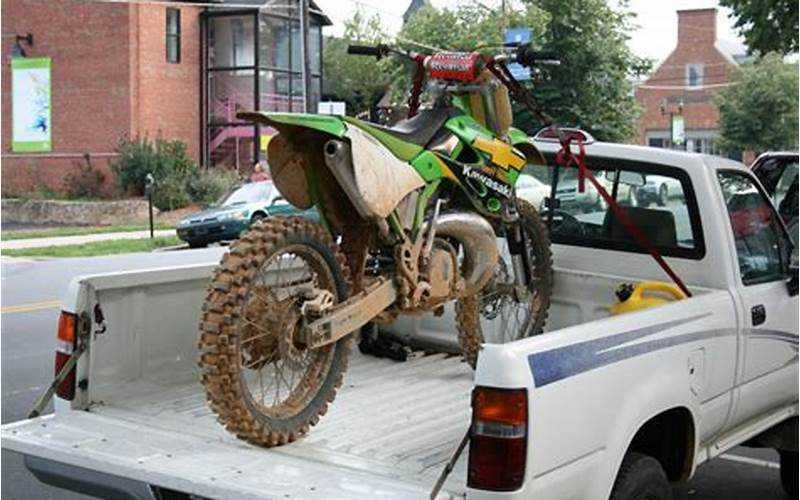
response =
{"points": [[395, 422]]}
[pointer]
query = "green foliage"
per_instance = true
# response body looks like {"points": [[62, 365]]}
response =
{"points": [[106, 247], [169, 163], [767, 25], [357, 80], [162, 158], [85, 181], [592, 88], [760, 111], [210, 185], [170, 193]]}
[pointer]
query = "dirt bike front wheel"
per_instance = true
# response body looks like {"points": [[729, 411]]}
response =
{"points": [[501, 314], [260, 379]]}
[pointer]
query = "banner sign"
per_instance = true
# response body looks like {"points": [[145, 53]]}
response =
{"points": [[678, 131], [519, 36], [30, 103]]}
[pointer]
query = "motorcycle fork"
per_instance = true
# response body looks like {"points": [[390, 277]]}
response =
{"points": [[520, 260]]}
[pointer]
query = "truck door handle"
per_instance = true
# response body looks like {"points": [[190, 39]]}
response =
{"points": [[758, 314]]}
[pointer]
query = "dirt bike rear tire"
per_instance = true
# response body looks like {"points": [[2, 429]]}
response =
{"points": [[468, 309], [221, 327]]}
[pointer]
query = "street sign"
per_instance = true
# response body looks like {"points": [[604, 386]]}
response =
{"points": [[519, 36], [678, 130]]}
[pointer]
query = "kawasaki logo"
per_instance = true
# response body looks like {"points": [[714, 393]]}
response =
{"points": [[487, 181]]}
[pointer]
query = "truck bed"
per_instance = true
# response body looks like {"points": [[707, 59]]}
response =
{"points": [[379, 439]]}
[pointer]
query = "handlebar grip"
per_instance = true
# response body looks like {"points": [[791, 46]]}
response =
{"points": [[526, 56], [365, 50]]}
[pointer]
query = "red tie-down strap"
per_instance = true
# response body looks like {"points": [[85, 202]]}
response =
{"points": [[566, 158]]}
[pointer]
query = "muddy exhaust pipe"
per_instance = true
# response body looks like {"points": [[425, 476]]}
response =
{"points": [[476, 236]]}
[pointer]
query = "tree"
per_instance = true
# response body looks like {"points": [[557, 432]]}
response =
{"points": [[759, 111], [767, 25], [591, 89], [359, 81], [593, 86]]}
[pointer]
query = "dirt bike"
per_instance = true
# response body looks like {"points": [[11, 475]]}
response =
{"points": [[411, 217]]}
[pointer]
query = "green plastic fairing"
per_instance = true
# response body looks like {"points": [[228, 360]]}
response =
{"points": [[329, 124]]}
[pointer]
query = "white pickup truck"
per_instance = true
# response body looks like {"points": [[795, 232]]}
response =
{"points": [[599, 406]]}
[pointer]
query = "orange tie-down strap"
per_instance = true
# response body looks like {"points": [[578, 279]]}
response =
{"points": [[565, 158]]}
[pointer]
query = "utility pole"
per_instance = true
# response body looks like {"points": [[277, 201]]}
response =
{"points": [[305, 54]]}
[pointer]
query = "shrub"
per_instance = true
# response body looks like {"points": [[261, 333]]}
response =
{"points": [[210, 184], [170, 193], [84, 182], [162, 158]]}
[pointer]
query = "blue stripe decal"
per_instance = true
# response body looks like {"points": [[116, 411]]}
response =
{"points": [[563, 362], [758, 333]]}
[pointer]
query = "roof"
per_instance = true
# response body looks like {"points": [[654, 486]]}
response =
{"points": [[414, 6], [646, 154], [734, 52], [316, 12]]}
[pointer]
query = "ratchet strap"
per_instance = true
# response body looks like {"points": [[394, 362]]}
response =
{"points": [[566, 158]]}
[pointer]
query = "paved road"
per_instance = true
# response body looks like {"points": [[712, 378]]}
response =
{"points": [[27, 364]]}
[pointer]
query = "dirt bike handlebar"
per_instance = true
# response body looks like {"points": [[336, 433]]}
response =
{"points": [[523, 54], [368, 50]]}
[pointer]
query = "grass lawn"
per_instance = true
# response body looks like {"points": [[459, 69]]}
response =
{"points": [[94, 248], [75, 231]]}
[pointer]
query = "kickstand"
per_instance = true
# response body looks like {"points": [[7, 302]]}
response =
{"points": [[449, 467]]}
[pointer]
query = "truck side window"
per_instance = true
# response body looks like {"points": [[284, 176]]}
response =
{"points": [[761, 245], [656, 198]]}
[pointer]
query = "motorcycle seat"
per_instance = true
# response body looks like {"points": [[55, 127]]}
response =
{"points": [[421, 128]]}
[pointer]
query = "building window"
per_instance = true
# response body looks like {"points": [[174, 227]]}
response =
{"points": [[694, 75], [237, 43], [173, 35], [656, 142]]}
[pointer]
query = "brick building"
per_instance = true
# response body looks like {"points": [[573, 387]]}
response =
{"points": [[177, 70], [682, 88]]}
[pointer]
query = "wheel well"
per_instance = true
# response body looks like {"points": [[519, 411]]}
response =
{"points": [[669, 438], [259, 212]]}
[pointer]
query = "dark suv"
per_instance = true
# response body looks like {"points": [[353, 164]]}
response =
{"points": [[777, 171]]}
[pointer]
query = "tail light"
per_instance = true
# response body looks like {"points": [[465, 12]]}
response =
{"points": [[65, 345], [498, 445]]}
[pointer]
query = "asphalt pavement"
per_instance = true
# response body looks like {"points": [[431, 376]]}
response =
{"points": [[30, 304]]}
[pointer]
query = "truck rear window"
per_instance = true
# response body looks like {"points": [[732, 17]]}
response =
{"points": [[659, 199]]}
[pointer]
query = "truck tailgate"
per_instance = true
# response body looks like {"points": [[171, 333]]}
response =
{"points": [[388, 434]]}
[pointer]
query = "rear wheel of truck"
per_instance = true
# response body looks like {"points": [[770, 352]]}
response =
{"points": [[641, 477], [495, 315], [789, 472], [260, 379]]}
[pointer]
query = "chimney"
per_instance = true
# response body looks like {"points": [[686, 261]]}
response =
{"points": [[697, 26]]}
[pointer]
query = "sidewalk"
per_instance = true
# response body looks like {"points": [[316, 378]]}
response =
{"points": [[77, 240]]}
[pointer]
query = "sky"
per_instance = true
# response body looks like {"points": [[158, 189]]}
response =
{"points": [[655, 37]]}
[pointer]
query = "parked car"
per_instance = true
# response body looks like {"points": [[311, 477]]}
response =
{"points": [[234, 212], [589, 201], [657, 189], [532, 190], [777, 171]]}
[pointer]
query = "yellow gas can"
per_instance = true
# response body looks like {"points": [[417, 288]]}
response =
{"points": [[644, 295]]}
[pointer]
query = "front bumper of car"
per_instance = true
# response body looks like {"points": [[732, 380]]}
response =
{"points": [[210, 232]]}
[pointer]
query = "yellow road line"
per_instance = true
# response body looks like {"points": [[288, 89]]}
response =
{"points": [[33, 306]]}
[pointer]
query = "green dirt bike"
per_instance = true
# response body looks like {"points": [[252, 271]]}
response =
{"points": [[412, 217]]}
